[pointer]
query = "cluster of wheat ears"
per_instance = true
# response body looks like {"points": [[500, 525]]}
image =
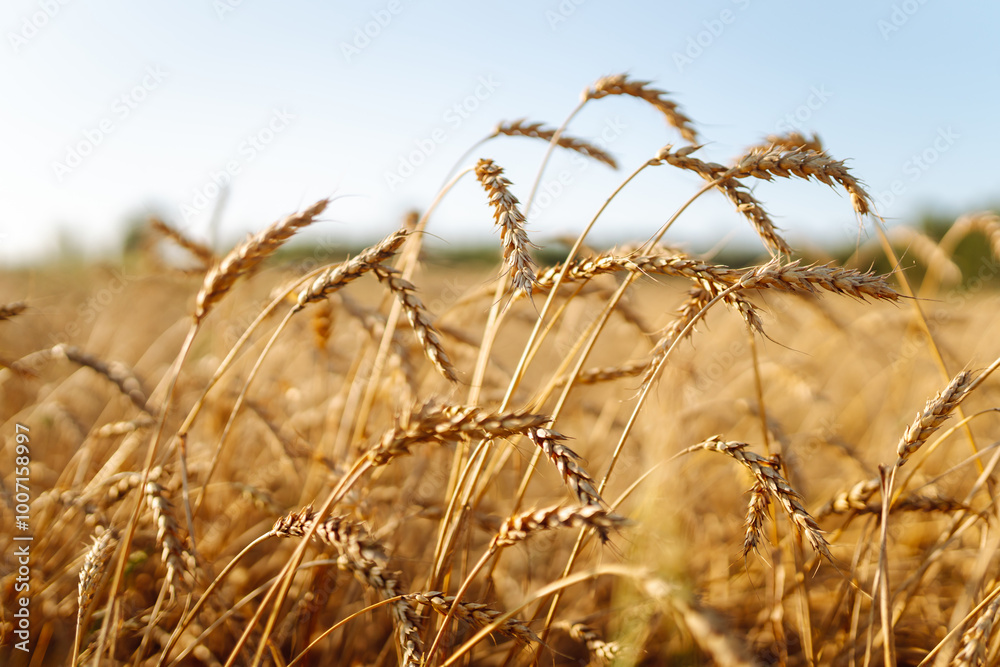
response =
{"points": [[276, 499]]}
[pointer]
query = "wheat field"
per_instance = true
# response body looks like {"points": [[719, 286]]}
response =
{"points": [[635, 456]]}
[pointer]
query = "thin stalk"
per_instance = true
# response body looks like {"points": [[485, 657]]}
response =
{"points": [[446, 535], [429, 655], [553, 142], [190, 616], [554, 587], [223, 618], [922, 319], [409, 263], [326, 633], [958, 628], [239, 404]]}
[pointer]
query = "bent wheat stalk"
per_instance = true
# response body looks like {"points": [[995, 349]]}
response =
{"points": [[770, 480]]}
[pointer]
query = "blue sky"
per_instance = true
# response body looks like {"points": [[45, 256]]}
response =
{"points": [[115, 109]]}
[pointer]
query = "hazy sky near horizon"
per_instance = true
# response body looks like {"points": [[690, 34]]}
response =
{"points": [[114, 110]]}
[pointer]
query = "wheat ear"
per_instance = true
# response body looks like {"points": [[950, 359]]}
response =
{"points": [[420, 319], [603, 652], [765, 472], [757, 511], [853, 499], [792, 141], [115, 371], [696, 300], [363, 556], [199, 250], [510, 220], [476, 614], [936, 411], [442, 424], [736, 192], [522, 128], [93, 567], [629, 369], [795, 278], [566, 462], [713, 278], [91, 574], [248, 255], [766, 163], [520, 527], [620, 84], [167, 531], [336, 277], [976, 640]]}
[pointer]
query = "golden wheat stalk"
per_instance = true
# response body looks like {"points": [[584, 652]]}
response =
{"points": [[198, 250], [603, 652], [91, 574], [685, 313], [441, 424], [365, 557], [976, 640], [757, 512], [735, 191], [689, 309], [620, 84], [114, 429], [768, 477], [566, 462], [766, 163], [92, 570], [522, 128], [586, 268], [115, 371], [712, 278], [245, 257], [520, 527], [792, 277], [336, 277], [476, 614], [935, 412], [608, 373], [420, 319], [510, 220], [853, 499], [175, 556]]}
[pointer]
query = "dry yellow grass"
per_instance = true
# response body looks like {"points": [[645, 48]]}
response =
{"points": [[220, 479]]}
